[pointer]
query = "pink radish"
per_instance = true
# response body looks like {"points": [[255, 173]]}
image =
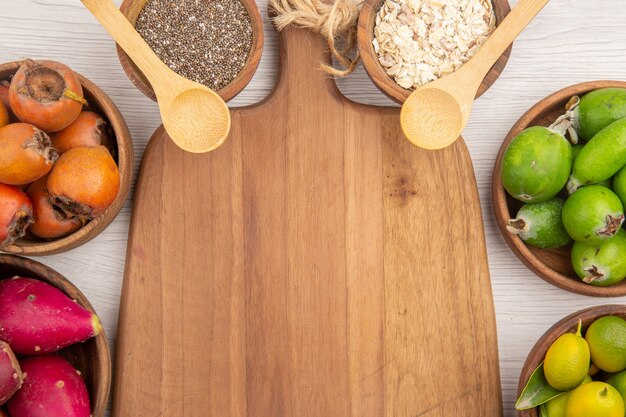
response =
{"points": [[52, 388], [10, 373], [37, 318]]}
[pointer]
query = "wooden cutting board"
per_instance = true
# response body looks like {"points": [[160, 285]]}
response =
{"points": [[317, 264]]}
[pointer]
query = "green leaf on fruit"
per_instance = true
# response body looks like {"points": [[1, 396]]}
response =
{"points": [[543, 412], [537, 391]]}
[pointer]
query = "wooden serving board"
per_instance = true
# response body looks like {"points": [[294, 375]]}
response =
{"points": [[317, 264]]}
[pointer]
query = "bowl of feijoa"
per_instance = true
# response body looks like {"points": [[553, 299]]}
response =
{"points": [[559, 188]]}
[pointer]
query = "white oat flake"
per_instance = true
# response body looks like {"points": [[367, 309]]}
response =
{"points": [[418, 41]]}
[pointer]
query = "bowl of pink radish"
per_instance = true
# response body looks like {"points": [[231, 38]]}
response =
{"points": [[54, 358]]}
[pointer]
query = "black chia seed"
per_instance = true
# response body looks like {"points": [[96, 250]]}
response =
{"points": [[207, 41]]}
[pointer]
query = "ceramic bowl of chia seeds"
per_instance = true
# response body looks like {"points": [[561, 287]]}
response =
{"points": [[217, 43]]}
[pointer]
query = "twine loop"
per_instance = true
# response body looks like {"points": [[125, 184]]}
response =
{"points": [[337, 22]]}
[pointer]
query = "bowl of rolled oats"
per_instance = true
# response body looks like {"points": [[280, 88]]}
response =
{"points": [[408, 43]]}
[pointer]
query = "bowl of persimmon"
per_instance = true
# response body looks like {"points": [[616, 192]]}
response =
{"points": [[66, 158]]}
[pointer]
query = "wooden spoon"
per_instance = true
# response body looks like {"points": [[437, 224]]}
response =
{"points": [[194, 116], [434, 115]]}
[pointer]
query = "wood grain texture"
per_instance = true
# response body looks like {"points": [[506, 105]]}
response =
{"points": [[132, 9], [296, 271], [384, 82], [567, 324], [100, 103], [569, 42], [553, 265], [92, 357]]}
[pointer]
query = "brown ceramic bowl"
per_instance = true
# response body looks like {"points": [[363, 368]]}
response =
{"points": [[92, 357], [377, 73], [566, 325], [553, 265], [101, 104], [132, 8]]}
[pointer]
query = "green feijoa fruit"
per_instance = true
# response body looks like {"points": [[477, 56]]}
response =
{"points": [[598, 109], [601, 157], [607, 183], [619, 185], [593, 214], [540, 224], [536, 164], [601, 265], [576, 151]]}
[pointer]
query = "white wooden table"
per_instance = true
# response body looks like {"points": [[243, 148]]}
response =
{"points": [[569, 42]]}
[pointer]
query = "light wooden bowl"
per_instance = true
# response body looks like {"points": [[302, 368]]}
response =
{"points": [[553, 265], [101, 104], [91, 358], [132, 8], [377, 73], [566, 325]]}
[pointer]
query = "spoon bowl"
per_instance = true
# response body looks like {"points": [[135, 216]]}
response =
{"points": [[433, 116], [196, 121], [453, 95], [194, 116]]}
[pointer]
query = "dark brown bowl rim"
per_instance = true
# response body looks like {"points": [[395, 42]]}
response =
{"points": [[566, 324], [103, 355], [125, 164], [502, 212], [228, 92], [384, 82]]}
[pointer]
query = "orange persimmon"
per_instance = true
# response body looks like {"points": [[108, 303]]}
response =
{"points": [[4, 115], [89, 129], [26, 154], [16, 214], [84, 181], [46, 94], [50, 222]]}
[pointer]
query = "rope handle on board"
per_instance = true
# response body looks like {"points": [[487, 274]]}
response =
{"points": [[337, 22]]}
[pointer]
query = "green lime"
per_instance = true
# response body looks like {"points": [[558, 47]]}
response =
{"points": [[556, 406], [596, 399], [567, 361], [536, 165], [618, 381], [607, 343]]}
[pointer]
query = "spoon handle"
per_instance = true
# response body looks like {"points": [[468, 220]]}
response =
{"points": [[503, 36], [120, 29]]}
